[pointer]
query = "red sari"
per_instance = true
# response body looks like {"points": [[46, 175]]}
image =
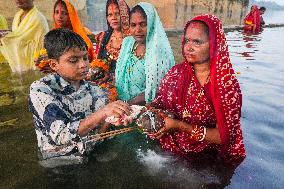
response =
{"points": [[217, 103], [251, 20]]}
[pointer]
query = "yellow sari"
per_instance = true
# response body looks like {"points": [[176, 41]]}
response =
{"points": [[19, 46], [3, 23], [3, 26]]}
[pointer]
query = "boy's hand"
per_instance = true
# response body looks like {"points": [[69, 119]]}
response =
{"points": [[117, 109]]}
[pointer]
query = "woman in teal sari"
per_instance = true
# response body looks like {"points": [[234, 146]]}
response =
{"points": [[145, 57]]}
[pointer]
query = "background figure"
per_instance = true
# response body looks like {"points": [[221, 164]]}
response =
{"points": [[262, 11], [145, 57], [3, 23], [3, 31], [109, 42], [252, 21], [65, 16], [205, 96], [28, 29]]}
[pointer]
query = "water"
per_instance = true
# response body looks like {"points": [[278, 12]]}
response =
{"points": [[132, 161], [274, 17]]}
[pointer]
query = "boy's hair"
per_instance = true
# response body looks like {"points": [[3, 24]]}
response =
{"points": [[139, 9], [60, 40], [262, 8]]}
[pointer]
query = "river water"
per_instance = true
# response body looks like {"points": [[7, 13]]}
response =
{"points": [[133, 161]]}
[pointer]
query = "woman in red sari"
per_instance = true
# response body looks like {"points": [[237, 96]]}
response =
{"points": [[205, 96], [252, 21]]}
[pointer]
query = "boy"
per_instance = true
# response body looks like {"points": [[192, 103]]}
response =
{"points": [[65, 107]]}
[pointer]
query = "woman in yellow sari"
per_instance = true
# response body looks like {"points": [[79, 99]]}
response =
{"points": [[3, 23], [28, 29], [3, 31]]}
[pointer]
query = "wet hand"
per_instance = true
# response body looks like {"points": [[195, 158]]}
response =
{"points": [[118, 110], [170, 124]]}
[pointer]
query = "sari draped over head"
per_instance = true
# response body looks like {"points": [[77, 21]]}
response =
{"points": [[253, 18], [18, 47], [219, 105], [103, 38], [158, 59], [78, 28]]}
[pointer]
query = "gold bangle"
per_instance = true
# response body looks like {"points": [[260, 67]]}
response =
{"points": [[198, 133]]}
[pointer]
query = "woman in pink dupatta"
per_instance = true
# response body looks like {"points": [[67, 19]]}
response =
{"points": [[205, 96], [252, 21]]}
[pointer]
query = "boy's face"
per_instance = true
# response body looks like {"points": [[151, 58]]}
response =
{"points": [[73, 65]]}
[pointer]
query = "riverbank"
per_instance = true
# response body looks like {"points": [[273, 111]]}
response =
{"points": [[230, 28]]}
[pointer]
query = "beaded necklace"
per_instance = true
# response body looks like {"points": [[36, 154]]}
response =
{"points": [[113, 52], [188, 112], [134, 56]]}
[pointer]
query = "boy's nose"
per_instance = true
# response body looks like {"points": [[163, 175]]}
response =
{"points": [[83, 63]]}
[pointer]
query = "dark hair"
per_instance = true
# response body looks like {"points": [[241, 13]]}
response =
{"points": [[200, 22], [59, 2], [60, 40], [262, 8], [138, 9]]}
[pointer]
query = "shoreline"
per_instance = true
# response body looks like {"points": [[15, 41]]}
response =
{"points": [[175, 32]]}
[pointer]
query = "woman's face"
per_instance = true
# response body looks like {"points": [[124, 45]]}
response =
{"points": [[113, 16], [196, 44], [61, 16], [138, 27]]}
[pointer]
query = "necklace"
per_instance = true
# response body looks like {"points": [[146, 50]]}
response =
{"points": [[134, 57], [134, 52], [112, 51], [188, 112]]}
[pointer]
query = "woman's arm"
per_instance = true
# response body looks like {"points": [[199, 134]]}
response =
{"points": [[212, 134], [138, 100]]}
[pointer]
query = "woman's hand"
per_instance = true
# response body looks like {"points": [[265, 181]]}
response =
{"points": [[170, 124], [104, 79]]}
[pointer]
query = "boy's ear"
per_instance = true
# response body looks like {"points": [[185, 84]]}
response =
{"points": [[53, 64]]}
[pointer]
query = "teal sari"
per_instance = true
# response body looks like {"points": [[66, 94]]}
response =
{"points": [[134, 76]]}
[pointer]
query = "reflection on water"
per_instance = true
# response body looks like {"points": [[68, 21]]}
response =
{"points": [[131, 160], [262, 83], [248, 43]]}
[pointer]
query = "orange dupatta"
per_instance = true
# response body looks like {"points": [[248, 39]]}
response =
{"points": [[78, 28]]}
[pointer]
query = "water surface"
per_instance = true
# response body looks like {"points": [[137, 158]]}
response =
{"points": [[132, 161]]}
